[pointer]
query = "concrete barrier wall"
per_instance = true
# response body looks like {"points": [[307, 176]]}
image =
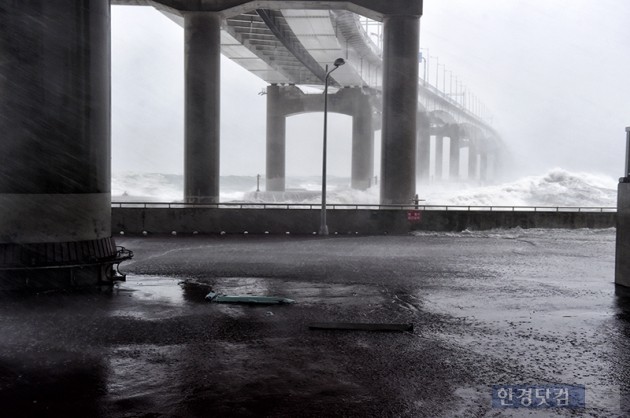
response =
{"points": [[362, 221]]}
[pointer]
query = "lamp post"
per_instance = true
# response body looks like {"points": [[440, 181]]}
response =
{"points": [[323, 228]]}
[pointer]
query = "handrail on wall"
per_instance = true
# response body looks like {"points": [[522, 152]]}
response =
{"points": [[360, 206]]}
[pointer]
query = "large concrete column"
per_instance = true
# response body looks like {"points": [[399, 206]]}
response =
{"points": [[453, 165], [400, 105], [423, 153], [483, 166], [55, 138], [202, 31], [276, 141], [622, 253], [499, 163], [362, 143], [490, 166], [439, 157], [472, 160]]}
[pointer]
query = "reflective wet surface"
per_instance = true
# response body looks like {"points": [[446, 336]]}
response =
{"points": [[504, 307]]}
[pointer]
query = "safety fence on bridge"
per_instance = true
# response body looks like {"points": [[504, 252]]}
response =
{"points": [[361, 206]]}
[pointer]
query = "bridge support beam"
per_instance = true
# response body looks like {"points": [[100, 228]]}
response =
{"points": [[472, 161], [202, 96], [483, 166], [423, 153], [439, 157], [276, 141], [362, 142], [453, 166], [400, 106], [55, 197], [283, 101]]}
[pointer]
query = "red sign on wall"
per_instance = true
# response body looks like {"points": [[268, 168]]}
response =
{"points": [[414, 216]]}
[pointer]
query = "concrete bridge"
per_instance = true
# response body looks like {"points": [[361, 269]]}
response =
{"points": [[288, 44], [55, 182]]}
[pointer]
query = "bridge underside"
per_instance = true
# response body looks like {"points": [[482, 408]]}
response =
{"points": [[374, 9], [292, 46], [269, 36]]}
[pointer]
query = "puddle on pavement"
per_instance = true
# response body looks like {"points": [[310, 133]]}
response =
{"points": [[152, 288], [140, 374], [305, 293], [163, 297]]}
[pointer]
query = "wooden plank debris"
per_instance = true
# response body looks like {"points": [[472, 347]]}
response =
{"points": [[247, 299]]}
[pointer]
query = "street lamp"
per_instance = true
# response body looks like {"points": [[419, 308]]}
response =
{"points": [[323, 228]]}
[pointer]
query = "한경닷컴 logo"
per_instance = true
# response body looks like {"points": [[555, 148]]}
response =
{"points": [[538, 396]]}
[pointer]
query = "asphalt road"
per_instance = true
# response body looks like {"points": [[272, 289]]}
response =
{"points": [[511, 307]]}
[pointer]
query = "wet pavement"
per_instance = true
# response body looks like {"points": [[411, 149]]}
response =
{"points": [[502, 307]]}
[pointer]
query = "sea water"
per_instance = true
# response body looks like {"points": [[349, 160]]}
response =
{"points": [[557, 187]]}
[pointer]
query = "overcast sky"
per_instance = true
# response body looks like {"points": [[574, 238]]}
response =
{"points": [[554, 73]]}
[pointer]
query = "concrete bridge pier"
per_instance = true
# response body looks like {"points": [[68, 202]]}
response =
{"points": [[284, 101], [400, 106], [276, 140], [483, 166], [202, 37], [55, 196], [454, 154], [362, 171], [439, 158], [423, 153], [472, 160]]}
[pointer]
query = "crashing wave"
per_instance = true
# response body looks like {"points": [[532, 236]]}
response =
{"points": [[557, 187]]}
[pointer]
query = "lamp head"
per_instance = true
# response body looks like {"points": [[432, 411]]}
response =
{"points": [[339, 62]]}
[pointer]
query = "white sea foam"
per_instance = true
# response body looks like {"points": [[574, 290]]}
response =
{"points": [[129, 186], [557, 187], [518, 233]]}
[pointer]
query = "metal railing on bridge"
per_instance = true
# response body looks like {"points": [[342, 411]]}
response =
{"points": [[360, 206]]}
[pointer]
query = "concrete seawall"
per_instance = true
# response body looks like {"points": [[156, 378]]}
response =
{"points": [[342, 221]]}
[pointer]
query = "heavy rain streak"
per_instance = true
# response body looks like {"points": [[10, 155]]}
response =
{"points": [[364, 208]]}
